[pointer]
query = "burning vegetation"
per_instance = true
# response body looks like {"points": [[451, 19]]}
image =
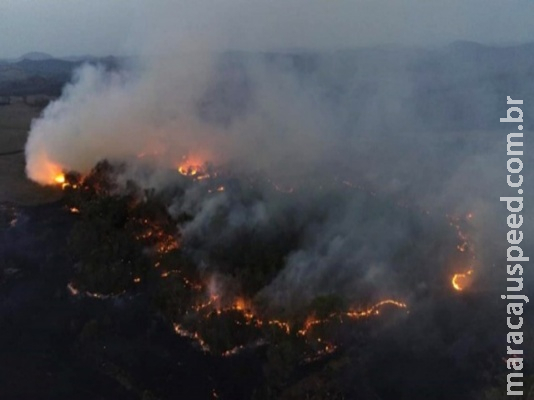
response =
{"points": [[137, 244], [144, 248], [321, 247], [461, 281], [127, 241]]}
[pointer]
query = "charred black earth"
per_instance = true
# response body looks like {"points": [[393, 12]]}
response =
{"points": [[99, 300]]}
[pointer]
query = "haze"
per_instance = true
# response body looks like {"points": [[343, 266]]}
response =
{"points": [[104, 27]]}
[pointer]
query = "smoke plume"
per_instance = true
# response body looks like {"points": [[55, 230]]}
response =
{"points": [[361, 154]]}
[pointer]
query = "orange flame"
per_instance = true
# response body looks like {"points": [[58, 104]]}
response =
{"points": [[190, 166], [240, 304], [43, 170], [245, 308], [462, 281], [364, 313], [60, 179], [188, 170], [194, 166], [193, 336], [375, 309]]}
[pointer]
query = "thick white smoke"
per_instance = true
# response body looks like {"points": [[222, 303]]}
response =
{"points": [[407, 126]]}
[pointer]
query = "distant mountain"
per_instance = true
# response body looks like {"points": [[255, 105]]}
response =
{"points": [[83, 58], [50, 67], [35, 56], [465, 45], [39, 73]]}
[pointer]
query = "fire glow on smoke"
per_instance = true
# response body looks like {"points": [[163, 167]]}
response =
{"points": [[212, 303], [194, 167]]}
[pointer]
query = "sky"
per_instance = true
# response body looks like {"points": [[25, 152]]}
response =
{"points": [[103, 27]]}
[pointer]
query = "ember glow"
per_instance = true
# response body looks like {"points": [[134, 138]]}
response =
{"points": [[245, 309], [44, 169], [163, 242], [60, 179], [329, 205], [75, 292], [188, 170], [462, 281], [193, 166], [212, 301], [375, 309], [193, 336], [311, 322]]}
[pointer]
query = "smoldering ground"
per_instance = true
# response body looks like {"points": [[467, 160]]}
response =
{"points": [[368, 173], [360, 168], [413, 130]]}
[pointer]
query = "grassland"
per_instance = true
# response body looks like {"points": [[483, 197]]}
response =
{"points": [[15, 121]]}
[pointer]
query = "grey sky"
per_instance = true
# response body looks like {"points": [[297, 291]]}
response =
{"points": [[100, 27]]}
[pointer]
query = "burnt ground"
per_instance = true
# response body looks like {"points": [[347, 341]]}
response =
{"points": [[54, 345], [57, 346]]}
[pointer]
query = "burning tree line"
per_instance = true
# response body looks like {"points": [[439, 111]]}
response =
{"points": [[124, 242]]}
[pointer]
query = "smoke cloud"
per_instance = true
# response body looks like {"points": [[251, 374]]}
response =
{"points": [[361, 153]]}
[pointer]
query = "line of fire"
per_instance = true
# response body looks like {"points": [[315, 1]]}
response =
{"points": [[199, 302]]}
